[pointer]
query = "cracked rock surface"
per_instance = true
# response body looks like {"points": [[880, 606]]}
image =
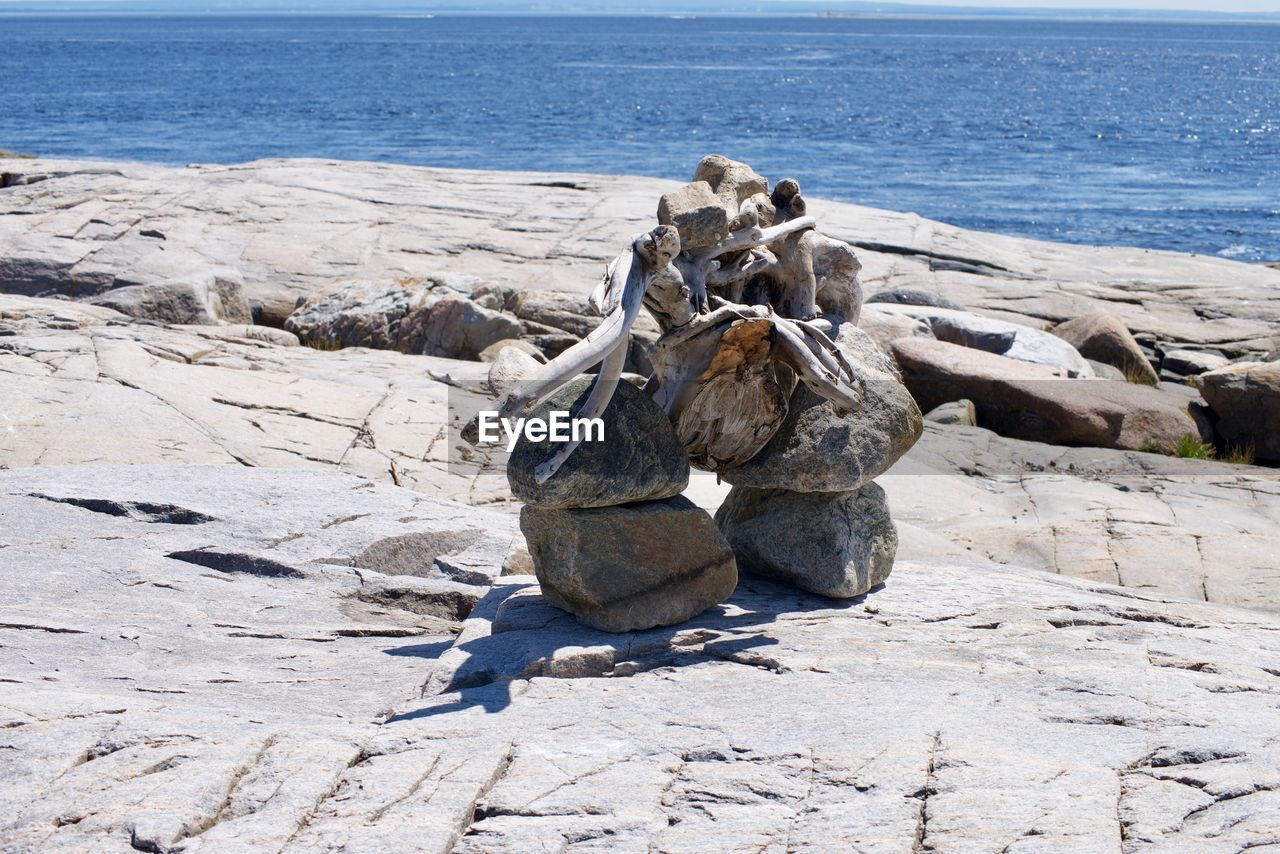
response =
{"points": [[80, 384], [157, 703], [304, 227], [1191, 528]]}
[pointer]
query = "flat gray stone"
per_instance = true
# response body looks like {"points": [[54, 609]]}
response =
{"points": [[1103, 371], [1190, 363], [993, 335], [885, 326], [913, 296]]}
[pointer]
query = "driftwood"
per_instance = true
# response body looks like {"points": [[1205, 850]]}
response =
{"points": [[741, 325]]}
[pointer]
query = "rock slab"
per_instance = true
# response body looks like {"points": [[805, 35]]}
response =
{"points": [[300, 227], [992, 335], [960, 413], [1191, 363], [155, 704], [632, 567], [206, 297]]}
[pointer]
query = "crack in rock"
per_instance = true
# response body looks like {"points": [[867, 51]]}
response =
{"points": [[141, 511], [237, 562]]}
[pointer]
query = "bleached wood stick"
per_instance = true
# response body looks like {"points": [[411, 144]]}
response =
{"points": [[609, 335], [750, 238], [796, 353], [601, 393]]}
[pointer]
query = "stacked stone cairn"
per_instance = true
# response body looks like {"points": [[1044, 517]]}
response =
{"points": [[761, 376]]}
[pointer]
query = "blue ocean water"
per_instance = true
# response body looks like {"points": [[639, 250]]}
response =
{"points": [[1145, 134]]}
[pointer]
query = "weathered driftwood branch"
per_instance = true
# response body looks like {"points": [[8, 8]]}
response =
{"points": [[740, 323], [622, 293], [699, 266]]}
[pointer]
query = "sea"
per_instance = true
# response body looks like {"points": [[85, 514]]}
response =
{"points": [[1138, 133]]}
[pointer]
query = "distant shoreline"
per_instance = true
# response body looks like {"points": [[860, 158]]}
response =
{"points": [[95, 9]]}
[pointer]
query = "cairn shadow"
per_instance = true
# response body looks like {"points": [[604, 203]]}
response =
{"points": [[530, 638]]}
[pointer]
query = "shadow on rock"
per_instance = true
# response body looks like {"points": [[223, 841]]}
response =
{"points": [[515, 635]]}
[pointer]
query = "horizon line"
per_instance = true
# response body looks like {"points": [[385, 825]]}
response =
{"points": [[899, 10]]}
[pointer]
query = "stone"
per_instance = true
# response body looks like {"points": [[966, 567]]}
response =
{"points": [[512, 366], [633, 567], [494, 350], [697, 213], [884, 326], [243, 332], [1101, 336], [1103, 371], [914, 296], [958, 412], [1190, 363], [836, 544], [640, 458], [566, 311], [518, 561], [551, 343], [492, 294], [208, 298], [733, 182], [1012, 340], [1246, 399], [556, 320], [372, 314], [1109, 516], [457, 328], [819, 450], [1028, 401]]}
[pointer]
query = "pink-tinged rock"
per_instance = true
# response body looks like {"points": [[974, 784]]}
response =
{"points": [[1027, 401]]}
